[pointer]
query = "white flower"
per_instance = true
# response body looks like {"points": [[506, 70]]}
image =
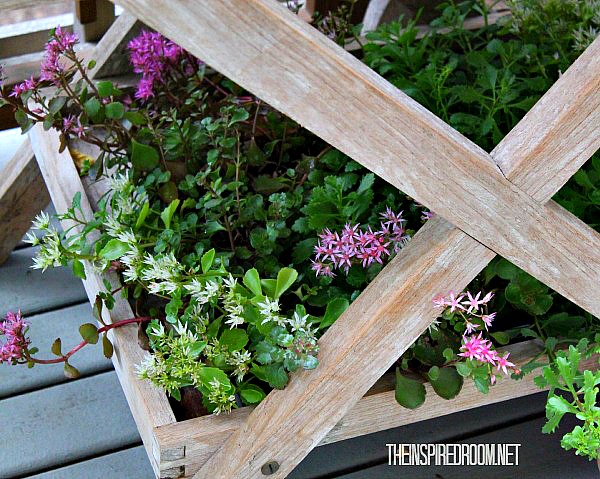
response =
{"points": [[230, 282], [118, 183], [112, 226], [41, 221], [240, 361], [165, 267], [234, 320], [32, 239], [298, 323], [127, 237], [268, 309], [203, 292]]}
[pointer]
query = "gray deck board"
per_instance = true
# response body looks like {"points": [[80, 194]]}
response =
{"points": [[540, 457], [33, 291], [65, 423], [46, 327], [366, 450], [127, 464]]}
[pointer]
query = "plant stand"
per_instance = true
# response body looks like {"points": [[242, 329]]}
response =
{"points": [[489, 203]]}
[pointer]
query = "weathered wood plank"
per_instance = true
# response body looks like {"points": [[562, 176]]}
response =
{"points": [[540, 457], [35, 291], [22, 195], [127, 464], [339, 98], [148, 404], [81, 417], [63, 323], [261, 62], [277, 429], [111, 53]]}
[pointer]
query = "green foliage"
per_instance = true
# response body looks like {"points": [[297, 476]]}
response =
{"points": [[573, 392]]}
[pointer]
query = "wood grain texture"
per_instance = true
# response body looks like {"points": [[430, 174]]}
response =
{"points": [[111, 53], [22, 195], [148, 404], [339, 99], [277, 429]]}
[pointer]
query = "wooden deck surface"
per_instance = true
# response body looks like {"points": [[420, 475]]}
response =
{"points": [[53, 428]]}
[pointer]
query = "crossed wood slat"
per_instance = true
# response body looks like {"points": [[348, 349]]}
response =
{"points": [[497, 201]]}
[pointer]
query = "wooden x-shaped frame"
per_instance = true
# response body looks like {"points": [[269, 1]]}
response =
{"points": [[498, 202]]}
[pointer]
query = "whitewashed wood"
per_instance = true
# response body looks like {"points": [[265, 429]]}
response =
{"points": [[22, 196], [339, 98], [35, 291], [45, 328], [127, 464], [560, 132], [81, 416], [251, 65], [373, 15], [148, 404], [111, 54]]}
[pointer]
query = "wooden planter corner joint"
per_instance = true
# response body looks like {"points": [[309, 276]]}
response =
{"points": [[490, 203]]}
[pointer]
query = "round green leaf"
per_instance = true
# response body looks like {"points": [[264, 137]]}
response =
{"points": [[71, 372], [251, 394], [143, 157], [89, 332], [252, 282], [285, 278], [448, 383], [114, 249], [234, 339], [409, 392], [334, 310]]}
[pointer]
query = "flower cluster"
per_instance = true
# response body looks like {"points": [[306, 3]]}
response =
{"points": [[154, 57], [471, 308], [61, 43], [355, 245], [14, 345]]}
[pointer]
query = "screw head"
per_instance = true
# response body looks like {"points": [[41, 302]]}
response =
{"points": [[269, 468]]}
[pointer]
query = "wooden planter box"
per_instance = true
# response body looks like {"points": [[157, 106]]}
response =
{"points": [[335, 96], [179, 449]]}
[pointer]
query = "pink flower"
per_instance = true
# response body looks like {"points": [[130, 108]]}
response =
{"points": [[354, 245], [13, 328], [427, 215], [473, 302], [471, 347], [156, 58], [470, 327], [27, 85], [503, 363], [439, 301], [454, 301], [487, 319]]}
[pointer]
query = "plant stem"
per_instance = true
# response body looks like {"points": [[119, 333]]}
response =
{"points": [[84, 343]]}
